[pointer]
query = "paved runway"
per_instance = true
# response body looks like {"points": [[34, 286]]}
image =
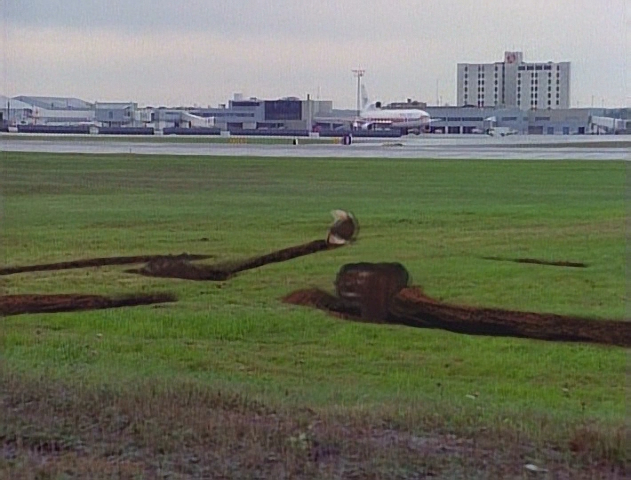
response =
{"points": [[457, 147]]}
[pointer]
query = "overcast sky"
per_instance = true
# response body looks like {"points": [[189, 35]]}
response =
{"points": [[166, 52]]}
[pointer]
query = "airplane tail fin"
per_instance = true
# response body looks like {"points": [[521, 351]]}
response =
{"points": [[365, 99], [367, 105]]}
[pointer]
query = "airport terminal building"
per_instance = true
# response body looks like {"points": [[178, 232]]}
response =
{"points": [[239, 115], [291, 116], [470, 120], [512, 96], [288, 113]]}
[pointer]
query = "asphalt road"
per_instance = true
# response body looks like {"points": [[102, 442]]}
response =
{"points": [[460, 147]]}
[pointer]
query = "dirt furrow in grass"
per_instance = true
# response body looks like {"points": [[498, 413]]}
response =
{"points": [[537, 261], [183, 269], [35, 303], [98, 262], [411, 307]]}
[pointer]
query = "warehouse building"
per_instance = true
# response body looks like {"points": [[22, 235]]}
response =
{"points": [[57, 110], [14, 112], [25, 110]]}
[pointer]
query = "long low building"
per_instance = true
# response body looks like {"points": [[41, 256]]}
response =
{"points": [[290, 114], [566, 121], [459, 120], [478, 120]]}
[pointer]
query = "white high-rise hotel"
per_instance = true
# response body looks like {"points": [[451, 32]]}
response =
{"points": [[514, 83]]}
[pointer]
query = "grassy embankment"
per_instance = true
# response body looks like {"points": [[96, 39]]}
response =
{"points": [[194, 369]]}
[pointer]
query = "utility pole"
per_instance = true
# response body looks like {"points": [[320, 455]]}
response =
{"points": [[359, 73]]}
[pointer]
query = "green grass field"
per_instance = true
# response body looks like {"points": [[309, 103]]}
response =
{"points": [[236, 348]]}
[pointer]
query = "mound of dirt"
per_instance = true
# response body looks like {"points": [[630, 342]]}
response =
{"points": [[99, 262], [409, 306], [371, 286], [177, 267], [19, 304]]}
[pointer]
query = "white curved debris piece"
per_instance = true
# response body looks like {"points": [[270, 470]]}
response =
{"points": [[344, 229], [534, 468]]}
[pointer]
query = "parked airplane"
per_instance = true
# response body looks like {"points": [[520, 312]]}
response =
{"points": [[374, 115]]}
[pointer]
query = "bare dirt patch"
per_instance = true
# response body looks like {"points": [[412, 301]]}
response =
{"points": [[536, 261], [30, 303], [383, 290]]}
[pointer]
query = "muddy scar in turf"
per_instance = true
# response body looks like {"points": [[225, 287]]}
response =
{"points": [[99, 262], [181, 267], [165, 266], [68, 302]]}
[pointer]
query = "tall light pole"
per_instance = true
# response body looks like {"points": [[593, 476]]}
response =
{"points": [[359, 73]]}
